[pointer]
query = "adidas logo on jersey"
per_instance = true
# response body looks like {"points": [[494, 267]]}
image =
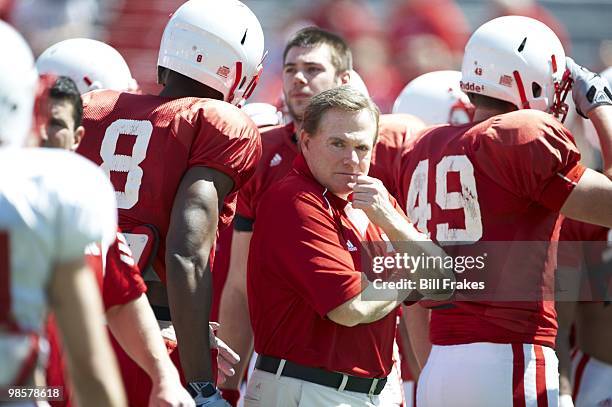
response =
{"points": [[276, 160], [350, 246]]}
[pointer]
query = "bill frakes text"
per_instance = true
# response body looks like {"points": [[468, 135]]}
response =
{"points": [[428, 284], [403, 261]]}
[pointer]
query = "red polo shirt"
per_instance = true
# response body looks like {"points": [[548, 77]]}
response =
{"points": [[304, 261]]}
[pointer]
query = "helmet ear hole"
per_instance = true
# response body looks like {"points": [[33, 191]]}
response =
{"points": [[536, 89]]}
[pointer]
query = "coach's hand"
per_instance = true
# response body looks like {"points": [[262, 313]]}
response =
{"points": [[590, 90], [371, 196], [226, 357]]}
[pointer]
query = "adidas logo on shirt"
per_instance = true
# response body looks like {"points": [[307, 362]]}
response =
{"points": [[350, 246], [276, 160]]}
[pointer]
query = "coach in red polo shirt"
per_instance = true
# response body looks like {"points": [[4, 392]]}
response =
{"points": [[319, 343]]}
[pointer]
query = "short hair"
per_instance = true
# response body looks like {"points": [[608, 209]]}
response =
{"points": [[64, 88], [345, 98], [310, 37]]}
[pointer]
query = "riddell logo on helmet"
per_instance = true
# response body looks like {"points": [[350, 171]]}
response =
{"points": [[471, 87]]}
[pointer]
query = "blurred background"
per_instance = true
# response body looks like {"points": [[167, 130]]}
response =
{"points": [[393, 41]]}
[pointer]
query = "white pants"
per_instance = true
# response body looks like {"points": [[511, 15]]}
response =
{"points": [[267, 390], [592, 381], [489, 375], [392, 395], [409, 396]]}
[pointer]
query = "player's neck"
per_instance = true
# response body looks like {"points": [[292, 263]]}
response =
{"points": [[180, 86], [183, 92], [483, 113]]}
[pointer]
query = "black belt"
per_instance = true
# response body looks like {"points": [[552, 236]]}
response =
{"points": [[321, 376]]}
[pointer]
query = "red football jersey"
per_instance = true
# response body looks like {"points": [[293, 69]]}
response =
{"points": [[394, 131], [279, 150], [503, 180], [146, 143]]}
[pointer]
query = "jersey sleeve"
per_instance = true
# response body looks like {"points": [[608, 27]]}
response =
{"points": [[225, 139], [122, 281], [325, 273], [532, 155], [87, 210]]}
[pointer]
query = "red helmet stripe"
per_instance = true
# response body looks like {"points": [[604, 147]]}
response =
{"points": [[521, 89], [230, 95]]}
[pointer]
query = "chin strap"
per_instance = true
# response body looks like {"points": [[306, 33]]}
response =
{"points": [[559, 109]]}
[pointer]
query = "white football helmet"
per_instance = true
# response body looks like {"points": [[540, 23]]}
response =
{"points": [[519, 60], [89, 63], [435, 98], [357, 82], [263, 114], [217, 43], [18, 82]]}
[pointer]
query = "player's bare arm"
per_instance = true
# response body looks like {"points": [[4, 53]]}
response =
{"points": [[234, 317], [589, 201], [416, 320], [407, 349], [74, 298], [601, 117], [191, 235], [135, 328], [566, 311]]}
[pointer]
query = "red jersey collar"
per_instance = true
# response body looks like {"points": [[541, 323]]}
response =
{"points": [[301, 166]]}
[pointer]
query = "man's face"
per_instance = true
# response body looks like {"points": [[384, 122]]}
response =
{"points": [[59, 131], [341, 149], [306, 73]]}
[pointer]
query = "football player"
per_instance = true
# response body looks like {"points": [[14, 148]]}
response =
{"points": [[80, 60], [585, 372], [52, 205], [505, 177], [177, 159], [584, 274], [128, 314], [435, 98]]}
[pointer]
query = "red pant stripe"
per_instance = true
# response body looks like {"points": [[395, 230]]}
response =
{"points": [[541, 376], [518, 376], [579, 373]]}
